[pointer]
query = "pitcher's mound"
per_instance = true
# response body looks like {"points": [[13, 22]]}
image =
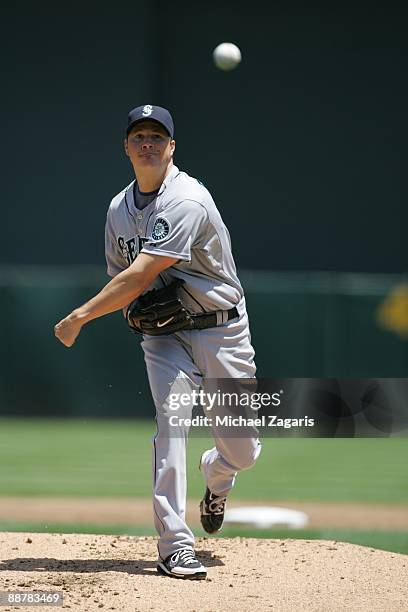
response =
{"points": [[119, 573]]}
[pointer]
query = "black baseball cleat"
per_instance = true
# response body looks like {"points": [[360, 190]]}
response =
{"points": [[182, 564], [212, 509]]}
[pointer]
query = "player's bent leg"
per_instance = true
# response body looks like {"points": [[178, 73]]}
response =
{"points": [[220, 465], [219, 476], [226, 353]]}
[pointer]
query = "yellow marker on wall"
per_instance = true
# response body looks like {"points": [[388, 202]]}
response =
{"points": [[393, 312]]}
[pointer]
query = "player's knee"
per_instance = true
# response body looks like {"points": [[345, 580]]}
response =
{"points": [[251, 454]]}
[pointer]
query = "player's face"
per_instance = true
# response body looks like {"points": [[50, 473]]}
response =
{"points": [[149, 145]]}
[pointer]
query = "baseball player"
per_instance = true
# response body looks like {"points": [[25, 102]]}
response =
{"points": [[169, 254]]}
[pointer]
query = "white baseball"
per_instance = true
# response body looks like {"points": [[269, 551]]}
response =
{"points": [[226, 56]]}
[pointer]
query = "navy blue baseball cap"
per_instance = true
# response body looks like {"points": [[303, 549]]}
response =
{"points": [[151, 113]]}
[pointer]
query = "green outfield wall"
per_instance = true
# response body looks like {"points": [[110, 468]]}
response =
{"points": [[303, 147], [302, 324]]}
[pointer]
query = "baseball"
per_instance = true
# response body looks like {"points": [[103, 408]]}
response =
{"points": [[226, 56]]}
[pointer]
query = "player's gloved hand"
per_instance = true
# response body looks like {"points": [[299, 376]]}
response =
{"points": [[159, 312]]}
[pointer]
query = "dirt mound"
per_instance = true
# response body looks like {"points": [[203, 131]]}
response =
{"points": [[119, 573]]}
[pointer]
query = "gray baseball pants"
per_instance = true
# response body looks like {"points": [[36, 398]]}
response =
{"points": [[180, 363]]}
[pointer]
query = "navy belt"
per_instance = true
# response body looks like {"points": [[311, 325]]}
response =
{"points": [[209, 319]]}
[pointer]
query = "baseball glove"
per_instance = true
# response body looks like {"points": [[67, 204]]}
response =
{"points": [[159, 312]]}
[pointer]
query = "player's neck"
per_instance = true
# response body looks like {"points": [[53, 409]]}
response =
{"points": [[150, 179]]}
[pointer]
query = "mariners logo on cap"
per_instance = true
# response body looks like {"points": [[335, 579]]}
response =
{"points": [[161, 229], [147, 110]]}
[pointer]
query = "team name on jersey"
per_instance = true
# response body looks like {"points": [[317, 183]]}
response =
{"points": [[131, 248]]}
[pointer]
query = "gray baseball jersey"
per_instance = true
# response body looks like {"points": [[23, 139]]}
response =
{"points": [[182, 221]]}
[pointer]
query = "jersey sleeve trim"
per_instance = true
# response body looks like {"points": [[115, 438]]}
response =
{"points": [[150, 251]]}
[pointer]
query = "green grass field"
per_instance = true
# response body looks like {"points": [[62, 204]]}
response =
{"points": [[112, 458]]}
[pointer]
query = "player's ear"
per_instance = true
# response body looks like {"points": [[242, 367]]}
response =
{"points": [[172, 146], [125, 144]]}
